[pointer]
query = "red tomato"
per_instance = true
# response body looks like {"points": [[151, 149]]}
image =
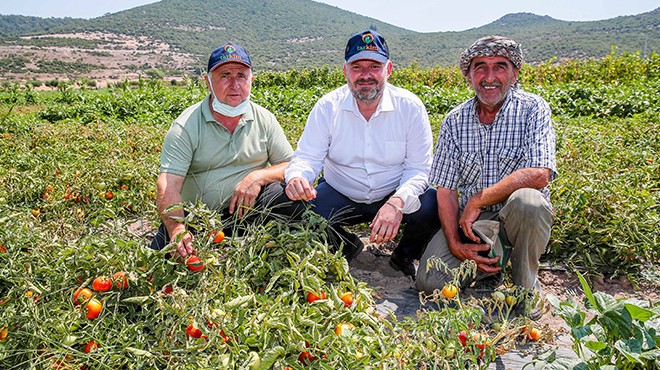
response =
{"points": [[82, 295], [109, 195], [218, 236], [192, 331], [449, 291], [94, 307], [345, 328], [534, 334], [102, 284], [121, 281], [92, 345], [194, 264], [3, 249], [306, 358], [167, 289], [3, 334], [312, 297], [347, 298], [462, 336]]}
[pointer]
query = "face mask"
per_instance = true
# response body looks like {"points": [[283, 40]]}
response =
{"points": [[228, 110]]}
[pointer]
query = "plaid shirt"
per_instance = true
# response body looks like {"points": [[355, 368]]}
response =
{"points": [[471, 156]]}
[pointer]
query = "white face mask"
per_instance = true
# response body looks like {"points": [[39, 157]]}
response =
{"points": [[228, 110]]}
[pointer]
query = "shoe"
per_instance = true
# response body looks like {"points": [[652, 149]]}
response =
{"points": [[403, 264], [491, 282], [349, 243], [533, 305], [352, 247]]}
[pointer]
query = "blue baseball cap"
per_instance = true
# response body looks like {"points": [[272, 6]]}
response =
{"points": [[226, 53], [367, 45]]}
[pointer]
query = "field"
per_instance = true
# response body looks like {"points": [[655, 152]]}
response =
{"points": [[77, 201]]}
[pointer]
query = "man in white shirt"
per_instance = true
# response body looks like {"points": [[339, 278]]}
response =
{"points": [[374, 144]]}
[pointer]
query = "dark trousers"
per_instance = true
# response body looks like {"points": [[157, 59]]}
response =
{"points": [[340, 211], [271, 203]]}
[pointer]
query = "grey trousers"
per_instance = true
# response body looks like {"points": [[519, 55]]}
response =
{"points": [[525, 224]]}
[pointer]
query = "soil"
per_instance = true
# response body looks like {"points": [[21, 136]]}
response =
{"points": [[118, 58], [372, 267]]}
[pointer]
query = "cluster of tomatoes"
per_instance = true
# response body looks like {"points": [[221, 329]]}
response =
{"points": [[342, 329], [93, 305], [193, 262]]}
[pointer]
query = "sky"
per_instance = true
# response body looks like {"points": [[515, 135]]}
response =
{"points": [[416, 15]]}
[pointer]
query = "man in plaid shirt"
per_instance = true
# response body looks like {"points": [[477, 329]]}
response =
{"points": [[494, 158]]}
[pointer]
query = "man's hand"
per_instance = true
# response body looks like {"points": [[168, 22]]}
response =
{"points": [[185, 246], [470, 214], [470, 251], [300, 189], [245, 194], [385, 225]]}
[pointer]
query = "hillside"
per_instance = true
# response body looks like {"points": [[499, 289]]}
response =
{"points": [[173, 37]]}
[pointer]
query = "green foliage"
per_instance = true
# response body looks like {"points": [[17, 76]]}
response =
{"points": [[249, 302], [63, 151], [606, 195], [60, 66], [13, 64], [620, 334]]}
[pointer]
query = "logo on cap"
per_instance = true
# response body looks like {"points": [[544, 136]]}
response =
{"points": [[367, 45], [229, 52]]}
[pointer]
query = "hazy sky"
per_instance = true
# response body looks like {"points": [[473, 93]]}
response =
{"points": [[417, 15]]}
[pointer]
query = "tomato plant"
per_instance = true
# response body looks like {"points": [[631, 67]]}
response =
{"points": [[121, 280], [102, 284]]}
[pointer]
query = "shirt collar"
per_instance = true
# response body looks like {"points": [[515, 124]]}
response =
{"points": [[385, 105], [504, 106]]}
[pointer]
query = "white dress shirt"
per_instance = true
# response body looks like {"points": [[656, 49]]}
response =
{"points": [[367, 160]]}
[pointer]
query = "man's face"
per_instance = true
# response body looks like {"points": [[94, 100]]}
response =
{"points": [[231, 83], [492, 78], [366, 78]]}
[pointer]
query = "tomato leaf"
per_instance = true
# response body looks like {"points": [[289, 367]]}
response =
{"points": [[141, 300]]}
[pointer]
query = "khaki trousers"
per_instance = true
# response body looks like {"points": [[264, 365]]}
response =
{"points": [[525, 223]]}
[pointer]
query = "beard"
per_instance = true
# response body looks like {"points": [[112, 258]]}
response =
{"points": [[367, 94], [490, 98]]}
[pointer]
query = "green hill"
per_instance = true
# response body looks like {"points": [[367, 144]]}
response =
{"points": [[284, 34]]}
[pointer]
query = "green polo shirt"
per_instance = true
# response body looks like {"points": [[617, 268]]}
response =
{"points": [[213, 160]]}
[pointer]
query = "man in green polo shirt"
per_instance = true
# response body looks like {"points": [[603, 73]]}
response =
{"points": [[225, 151]]}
